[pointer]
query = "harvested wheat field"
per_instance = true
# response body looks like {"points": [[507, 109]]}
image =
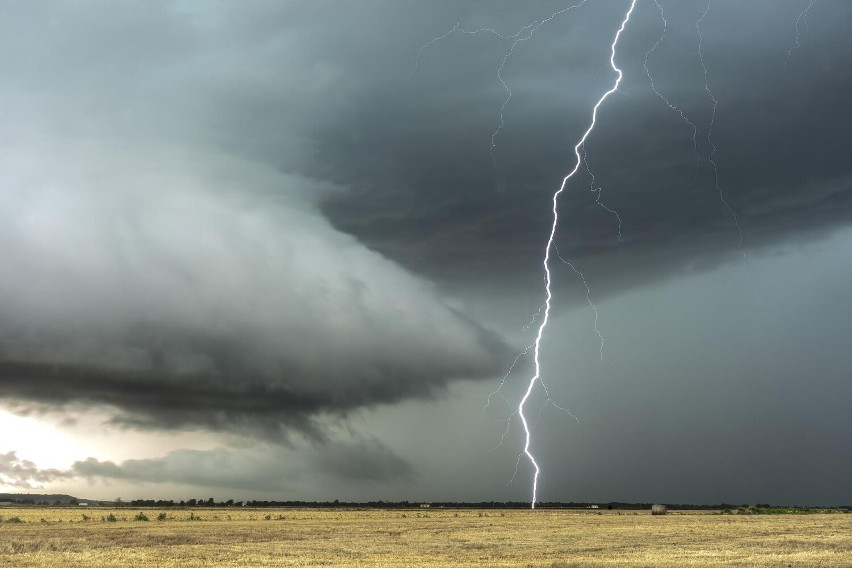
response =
{"points": [[66, 537]]}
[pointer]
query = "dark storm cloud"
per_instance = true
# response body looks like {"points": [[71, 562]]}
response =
{"points": [[180, 301], [322, 89], [191, 192], [153, 265], [428, 195]]}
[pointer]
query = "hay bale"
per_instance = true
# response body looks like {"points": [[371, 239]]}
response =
{"points": [[658, 509]]}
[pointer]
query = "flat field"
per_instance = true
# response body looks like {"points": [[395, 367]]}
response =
{"points": [[70, 537]]}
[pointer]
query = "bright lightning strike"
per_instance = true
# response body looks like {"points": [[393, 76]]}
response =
{"points": [[524, 34], [543, 313], [536, 378]]}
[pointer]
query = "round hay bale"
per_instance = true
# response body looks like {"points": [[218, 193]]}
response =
{"points": [[658, 509]]}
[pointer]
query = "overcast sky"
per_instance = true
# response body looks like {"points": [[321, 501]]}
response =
{"points": [[286, 250]]}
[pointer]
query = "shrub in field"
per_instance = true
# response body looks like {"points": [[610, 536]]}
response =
{"points": [[161, 517], [140, 517], [14, 520], [111, 518]]}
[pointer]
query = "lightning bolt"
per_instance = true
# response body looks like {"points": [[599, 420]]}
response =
{"points": [[588, 299], [802, 19], [518, 39], [711, 156], [523, 34], [499, 390], [597, 191], [536, 378], [542, 315], [669, 104], [458, 28]]}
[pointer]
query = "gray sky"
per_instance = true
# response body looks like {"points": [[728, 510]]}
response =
{"points": [[267, 250]]}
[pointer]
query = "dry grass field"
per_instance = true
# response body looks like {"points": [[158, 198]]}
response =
{"points": [[62, 537]]}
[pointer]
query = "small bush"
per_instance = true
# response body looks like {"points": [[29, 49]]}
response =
{"points": [[14, 520], [161, 517], [111, 518], [86, 517], [141, 517]]}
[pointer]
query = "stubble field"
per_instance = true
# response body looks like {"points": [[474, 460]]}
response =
{"points": [[62, 537]]}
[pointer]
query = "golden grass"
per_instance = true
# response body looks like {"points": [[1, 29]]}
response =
{"points": [[60, 537]]}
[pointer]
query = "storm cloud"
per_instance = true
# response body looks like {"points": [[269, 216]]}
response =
{"points": [[177, 282], [438, 204], [23, 474], [184, 293], [253, 467], [261, 220]]}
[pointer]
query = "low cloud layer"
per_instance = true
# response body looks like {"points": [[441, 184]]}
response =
{"points": [[23, 474], [198, 290], [256, 469], [253, 468]]}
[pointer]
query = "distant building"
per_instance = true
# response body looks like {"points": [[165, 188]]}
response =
{"points": [[425, 505], [83, 504], [594, 506]]}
